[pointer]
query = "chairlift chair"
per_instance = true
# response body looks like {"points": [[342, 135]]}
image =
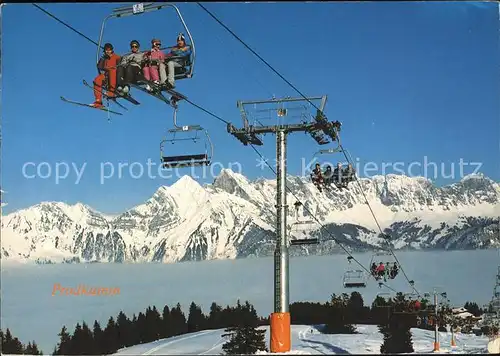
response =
{"points": [[354, 279], [190, 133], [141, 8], [300, 230], [412, 296], [382, 257], [187, 160]]}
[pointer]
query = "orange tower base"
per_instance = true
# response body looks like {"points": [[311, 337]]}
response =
{"points": [[280, 332], [453, 343], [436, 346]]}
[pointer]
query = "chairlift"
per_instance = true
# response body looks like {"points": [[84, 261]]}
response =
{"points": [[331, 175], [141, 8], [413, 296], [193, 133], [94, 220], [382, 257], [354, 279], [184, 71], [300, 230], [124, 223]]}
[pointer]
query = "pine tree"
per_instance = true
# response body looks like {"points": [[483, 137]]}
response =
{"points": [[196, 319], [153, 324], [166, 329], [141, 328], [215, 317], [339, 319], [87, 340], [98, 339], [64, 345], [110, 337], [179, 325], [397, 338], [473, 308], [124, 330], [245, 338], [32, 349], [77, 341], [10, 344], [135, 338]]}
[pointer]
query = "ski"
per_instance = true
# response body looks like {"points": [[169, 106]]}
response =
{"points": [[126, 97], [107, 97], [157, 92], [89, 106]]}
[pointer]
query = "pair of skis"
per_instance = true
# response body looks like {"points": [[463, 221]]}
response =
{"points": [[114, 99], [156, 91]]}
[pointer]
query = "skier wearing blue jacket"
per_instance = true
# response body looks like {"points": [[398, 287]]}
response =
{"points": [[179, 54]]}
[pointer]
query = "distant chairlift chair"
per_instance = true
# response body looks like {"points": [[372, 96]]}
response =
{"points": [[300, 230], [354, 279], [192, 133]]}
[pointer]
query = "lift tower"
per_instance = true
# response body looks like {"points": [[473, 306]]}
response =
{"points": [[279, 114]]}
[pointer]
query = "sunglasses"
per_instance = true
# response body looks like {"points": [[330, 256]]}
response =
{"points": [[157, 44], [134, 46]]}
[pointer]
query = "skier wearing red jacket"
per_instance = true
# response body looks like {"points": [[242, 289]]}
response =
{"points": [[107, 69]]}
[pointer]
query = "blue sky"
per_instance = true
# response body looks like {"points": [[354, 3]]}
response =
{"points": [[411, 82]]}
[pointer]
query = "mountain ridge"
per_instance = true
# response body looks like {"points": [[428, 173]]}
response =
{"points": [[234, 217]]}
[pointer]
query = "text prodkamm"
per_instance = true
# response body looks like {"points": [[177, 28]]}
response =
{"points": [[84, 290]]}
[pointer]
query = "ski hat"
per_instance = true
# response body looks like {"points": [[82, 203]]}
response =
{"points": [[135, 42], [108, 46], [181, 38], [154, 40]]}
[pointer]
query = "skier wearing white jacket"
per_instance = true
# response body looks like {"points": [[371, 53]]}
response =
{"points": [[130, 67]]}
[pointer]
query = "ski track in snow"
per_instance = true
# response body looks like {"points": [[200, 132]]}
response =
{"points": [[368, 341]]}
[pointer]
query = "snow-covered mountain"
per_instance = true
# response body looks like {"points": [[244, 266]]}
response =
{"points": [[234, 217]]}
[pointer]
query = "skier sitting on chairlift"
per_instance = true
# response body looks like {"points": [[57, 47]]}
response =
{"points": [[328, 174], [373, 269], [154, 69], [337, 175], [394, 271], [181, 51], [317, 176], [347, 175], [129, 69], [417, 305], [107, 74], [380, 270]]}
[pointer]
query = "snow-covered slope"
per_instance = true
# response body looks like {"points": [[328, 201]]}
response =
{"points": [[306, 340], [234, 217]]}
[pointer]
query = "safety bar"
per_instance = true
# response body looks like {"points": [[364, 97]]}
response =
{"points": [[209, 142], [354, 284], [141, 8], [185, 158], [186, 164], [304, 242]]}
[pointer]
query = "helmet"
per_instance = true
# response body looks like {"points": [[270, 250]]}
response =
{"points": [[135, 42], [154, 40], [181, 37], [108, 46]]}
